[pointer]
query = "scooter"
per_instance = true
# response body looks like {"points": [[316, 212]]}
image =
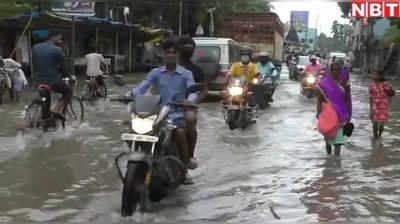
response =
{"points": [[308, 85]]}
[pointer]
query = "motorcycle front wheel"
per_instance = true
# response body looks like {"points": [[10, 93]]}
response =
{"points": [[134, 188], [232, 119], [244, 119]]}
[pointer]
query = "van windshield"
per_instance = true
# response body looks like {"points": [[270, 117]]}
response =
{"points": [[212, 52], [304, 61]]}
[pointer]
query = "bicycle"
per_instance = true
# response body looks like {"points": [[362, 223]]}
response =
{"points": [[36, 117], [5, 81], [93, 90]]}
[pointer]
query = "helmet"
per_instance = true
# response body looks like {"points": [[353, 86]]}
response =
{"points": [[313, 57]]}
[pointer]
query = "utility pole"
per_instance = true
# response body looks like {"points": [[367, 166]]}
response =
{"points": [[180, 17], [316, 32]]}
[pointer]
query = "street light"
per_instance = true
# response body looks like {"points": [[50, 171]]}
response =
{"points": [[211, 11]]}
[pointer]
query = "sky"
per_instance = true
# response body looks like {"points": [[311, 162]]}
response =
{"points": [[325, 12]]}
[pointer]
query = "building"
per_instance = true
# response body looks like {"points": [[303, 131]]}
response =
{"points": [[110, 31], [364, 43], [309, 38]]}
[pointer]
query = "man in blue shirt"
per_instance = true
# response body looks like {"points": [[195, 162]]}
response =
{"points": [[171, 81], [267, 68], [48, 60]]}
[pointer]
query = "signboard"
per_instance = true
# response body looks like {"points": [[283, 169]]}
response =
{"points": [[73, 7], [299, 19]]}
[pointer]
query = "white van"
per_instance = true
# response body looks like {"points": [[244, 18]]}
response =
{"points": [[224, 51], [337, 55]]}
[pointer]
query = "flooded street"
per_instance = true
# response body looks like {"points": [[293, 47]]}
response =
{"points": [[277, 171]]}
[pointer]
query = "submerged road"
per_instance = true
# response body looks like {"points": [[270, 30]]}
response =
{"points": [[276, 171]]}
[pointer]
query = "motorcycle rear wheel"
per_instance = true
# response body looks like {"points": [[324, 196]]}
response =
{"points": [[232, 119], [134, 188]]}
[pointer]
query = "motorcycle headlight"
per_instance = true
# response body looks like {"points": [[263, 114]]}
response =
{"points": [[255, 81], [311, 79], [235, 91], [143, 125]]}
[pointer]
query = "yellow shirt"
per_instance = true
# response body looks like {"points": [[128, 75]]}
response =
{"points": [[239, 70]]}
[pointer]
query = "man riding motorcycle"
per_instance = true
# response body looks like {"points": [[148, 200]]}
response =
{"points": [[310, 76], [314, 67], [267, 68], [245, 70], [172, 80]]}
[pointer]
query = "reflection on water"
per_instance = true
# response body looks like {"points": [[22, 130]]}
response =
{"points": [[274, 172]]}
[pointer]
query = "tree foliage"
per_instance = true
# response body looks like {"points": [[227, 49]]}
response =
{"points": [[292, 35], [345, 7], [392, 35], [12, 7], [327, 44], [339, 31]]}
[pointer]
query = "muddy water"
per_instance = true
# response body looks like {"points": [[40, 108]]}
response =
{"points": [[274, 172]]}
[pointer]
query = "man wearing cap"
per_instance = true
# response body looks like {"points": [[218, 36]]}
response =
{"points": [[266, 68]]}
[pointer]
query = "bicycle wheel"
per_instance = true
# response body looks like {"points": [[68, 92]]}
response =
{"points": [[32, 118], [102, 90], [74, 113]]}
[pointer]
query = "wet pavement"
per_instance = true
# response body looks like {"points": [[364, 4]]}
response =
{"points": [[276, 171]]}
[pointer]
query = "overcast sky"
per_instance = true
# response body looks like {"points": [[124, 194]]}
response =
{"points": [[326, 12]]}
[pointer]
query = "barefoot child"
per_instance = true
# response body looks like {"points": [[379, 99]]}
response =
{"points": [[380, 93]]}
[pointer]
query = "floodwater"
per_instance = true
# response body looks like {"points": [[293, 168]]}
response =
{"points": [[276, 171]]}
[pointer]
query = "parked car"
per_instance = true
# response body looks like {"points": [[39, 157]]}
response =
{"points": [[215, 56]]}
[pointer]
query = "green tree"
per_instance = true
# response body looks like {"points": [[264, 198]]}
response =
{"points": [[292, 35], [339, 31], [12, 7], [345, 7]]}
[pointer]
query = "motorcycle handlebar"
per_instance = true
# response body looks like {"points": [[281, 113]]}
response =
{"points": [[122, 100]]}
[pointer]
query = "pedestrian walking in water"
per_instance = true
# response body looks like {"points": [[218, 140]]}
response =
{"points": [[380, 93], [334, 108]]}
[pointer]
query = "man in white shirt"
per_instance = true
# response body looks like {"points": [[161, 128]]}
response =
{"points": [[93, 67]]}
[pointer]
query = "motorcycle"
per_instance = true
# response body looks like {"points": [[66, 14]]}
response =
{"points": [[154, 167], [262, 90], [236, 109], [308, 85]]}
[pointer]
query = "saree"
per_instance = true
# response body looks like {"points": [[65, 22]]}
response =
{"points": [[337, 96]]}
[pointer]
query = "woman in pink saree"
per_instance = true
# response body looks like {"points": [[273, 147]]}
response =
{"points": [[334, 88]]}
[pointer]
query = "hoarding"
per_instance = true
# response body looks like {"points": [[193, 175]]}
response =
{"points": [[74, 7], [299, 20]]}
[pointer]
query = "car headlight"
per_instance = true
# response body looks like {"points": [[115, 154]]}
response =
{"points": [[311, 79], [235, 91], [255, 81], [143, 125]]}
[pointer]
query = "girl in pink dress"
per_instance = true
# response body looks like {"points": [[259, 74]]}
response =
{"points": [[380, 93]]}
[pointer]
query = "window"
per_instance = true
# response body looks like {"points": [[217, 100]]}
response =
{"points": [[212, 52], [234, 54]]}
